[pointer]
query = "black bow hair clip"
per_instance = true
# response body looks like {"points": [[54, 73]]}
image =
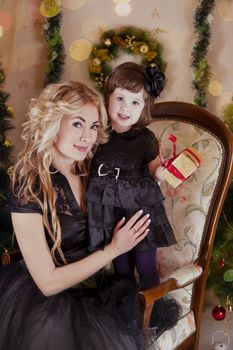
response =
{"points": [[154, 81]]}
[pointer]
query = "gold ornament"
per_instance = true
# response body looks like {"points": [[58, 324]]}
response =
{"points": [[6, 259], [96, 62], [100, 78], [8, 143], [130, 41], [229, 303], [103, 54], [144, 48], [95, 69], [150, 55], [11, 111], [108, 42]]}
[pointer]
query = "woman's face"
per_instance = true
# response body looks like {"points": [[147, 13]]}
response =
{"points": [[77, 134]]}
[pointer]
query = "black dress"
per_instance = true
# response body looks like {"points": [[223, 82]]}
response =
{"points": [[99, 314], [120, 184]]}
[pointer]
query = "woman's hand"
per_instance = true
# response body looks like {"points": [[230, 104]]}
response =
{"points": [[128, 236], [51, 279]]}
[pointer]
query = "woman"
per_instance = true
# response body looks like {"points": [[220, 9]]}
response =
{"points": [[47, 301]]}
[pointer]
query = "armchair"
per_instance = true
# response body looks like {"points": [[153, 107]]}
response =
{"points": [[193, 208]]}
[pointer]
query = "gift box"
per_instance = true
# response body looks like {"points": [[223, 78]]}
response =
{"points": [[180, 166]]}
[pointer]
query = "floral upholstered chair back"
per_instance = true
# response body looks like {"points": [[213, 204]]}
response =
{"points": [[189, 208]]}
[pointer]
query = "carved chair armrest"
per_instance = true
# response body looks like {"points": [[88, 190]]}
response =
{"points": [[180, 278]]}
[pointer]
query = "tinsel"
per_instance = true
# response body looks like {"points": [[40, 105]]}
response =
{"points": [[56, 54], [130, 40], [199, 62]]}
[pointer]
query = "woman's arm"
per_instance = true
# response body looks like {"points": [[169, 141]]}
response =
{"points": [[50, 279]]}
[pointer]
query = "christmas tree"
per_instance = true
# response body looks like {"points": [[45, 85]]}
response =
{"points": [[220, 277], [5, 161]]}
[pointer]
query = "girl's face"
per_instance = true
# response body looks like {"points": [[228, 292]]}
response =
{"points": [[125, 108], [77, 135]]}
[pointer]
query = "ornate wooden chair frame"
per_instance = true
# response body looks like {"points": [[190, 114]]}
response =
{"points": [[199, 118]]}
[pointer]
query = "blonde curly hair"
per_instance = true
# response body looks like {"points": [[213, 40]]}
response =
{"points": [[31, 175]]}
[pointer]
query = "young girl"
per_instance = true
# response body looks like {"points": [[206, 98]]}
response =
{"points": [[123, 171]]}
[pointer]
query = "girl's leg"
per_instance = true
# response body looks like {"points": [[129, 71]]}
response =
{"points": [[146, 265], [124, 266]]}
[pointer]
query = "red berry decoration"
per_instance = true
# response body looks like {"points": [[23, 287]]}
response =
{"points": [[218, 313], [221, 263]]}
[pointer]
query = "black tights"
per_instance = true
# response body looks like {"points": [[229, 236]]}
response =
{"points": [[145, 263]]}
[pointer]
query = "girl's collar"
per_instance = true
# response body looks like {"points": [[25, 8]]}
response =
{"points": [[127, 134]]}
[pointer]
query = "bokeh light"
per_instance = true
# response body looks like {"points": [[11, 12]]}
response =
{"points": [[80, 49], [72, 4], [215, 88], [25, 56], [50, 8], [121, 1], [92, 26], [225, 10], [5, 20], [123, 9]]}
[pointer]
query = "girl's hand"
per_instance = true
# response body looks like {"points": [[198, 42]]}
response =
{"points": [[158, 174], [128, 236]]}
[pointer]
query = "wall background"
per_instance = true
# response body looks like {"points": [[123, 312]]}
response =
{"points": [[23, 48]]}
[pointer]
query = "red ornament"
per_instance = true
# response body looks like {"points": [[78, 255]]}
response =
{"points": [[218, 313], [221, 263]]}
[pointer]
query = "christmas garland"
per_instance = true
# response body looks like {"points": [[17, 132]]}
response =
{"points": [[6, 146], [5, 125], [56, 55], [202, 18], [130, 40]]}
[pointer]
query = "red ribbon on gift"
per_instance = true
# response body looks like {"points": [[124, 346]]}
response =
{"points": [[168, 162]]}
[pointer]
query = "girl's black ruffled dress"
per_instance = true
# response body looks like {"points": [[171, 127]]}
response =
{"points": [[99, 314], [120, 184]]}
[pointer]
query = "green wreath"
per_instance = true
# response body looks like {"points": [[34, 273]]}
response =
{"points": [[130, 40]]}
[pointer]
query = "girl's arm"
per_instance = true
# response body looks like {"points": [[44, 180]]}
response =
{"points": [[155, 169], [50, 279]]}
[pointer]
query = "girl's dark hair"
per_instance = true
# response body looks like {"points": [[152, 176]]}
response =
{"points": [[133, 77]]}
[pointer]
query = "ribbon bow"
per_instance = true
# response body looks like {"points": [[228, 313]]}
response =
{"points": [[168, 163], [104, 170], [155, 81]]}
